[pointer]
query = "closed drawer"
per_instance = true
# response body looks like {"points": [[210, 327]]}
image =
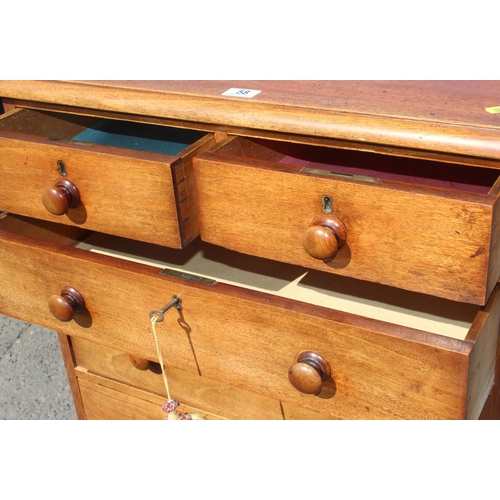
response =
{"points": [[417, 225], [96, 362], [129, 179], [400, 356], [103, 399]]}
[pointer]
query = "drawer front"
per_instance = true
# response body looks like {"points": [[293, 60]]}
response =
{"points": [[104, 400], [250, 339], [135, 194], [212, 396], [420, 238]]}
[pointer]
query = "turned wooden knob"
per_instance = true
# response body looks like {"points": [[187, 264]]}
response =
{"points": [[323, 238], [309, 372], [60, 198], [139, 363], [64, 306]]}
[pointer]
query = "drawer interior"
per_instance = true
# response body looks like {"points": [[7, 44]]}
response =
{"points": [[365, 166], [139, 136], [383, 303], [86, 130], [207, 264]]}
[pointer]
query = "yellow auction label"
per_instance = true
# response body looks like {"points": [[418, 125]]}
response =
{"points": [[494, 110]]}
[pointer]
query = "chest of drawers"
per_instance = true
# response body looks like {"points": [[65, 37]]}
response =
{"points": [[333, 245]]}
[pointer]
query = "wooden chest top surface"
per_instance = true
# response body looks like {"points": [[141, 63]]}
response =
{"points": [[444, 116]]}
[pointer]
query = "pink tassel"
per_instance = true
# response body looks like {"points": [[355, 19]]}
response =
{"points": [[170, 407]]}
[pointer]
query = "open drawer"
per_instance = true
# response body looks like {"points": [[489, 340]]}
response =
{"points": [[130, 179], [245, 322], [419, 225]]}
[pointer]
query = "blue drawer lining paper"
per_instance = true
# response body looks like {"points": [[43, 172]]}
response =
{"points": [[139, 136]]}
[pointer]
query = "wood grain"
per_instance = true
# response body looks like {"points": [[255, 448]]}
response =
{"points": [[491, 409], [484, 332], [209, 395], [45, 124], [105, 400], [144, 196], [379, 370], [69, 364], [47, 231], [423, 239], [442, 116], [244, 340]]}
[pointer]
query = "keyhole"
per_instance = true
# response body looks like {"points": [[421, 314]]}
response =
{"points": [[62, 168], [327, 205]]}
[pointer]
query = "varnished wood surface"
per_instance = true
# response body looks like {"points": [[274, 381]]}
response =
{"points": [[443, 116], [425, 118], [107, 400], [211, 396], [45, 230], [187, 387], [69, 364], [491, 410], [416, 238], [484, 333], [146, 196], [241, 337]]}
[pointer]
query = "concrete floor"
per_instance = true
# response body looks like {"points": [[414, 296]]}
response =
{"points": [[33, 383]]}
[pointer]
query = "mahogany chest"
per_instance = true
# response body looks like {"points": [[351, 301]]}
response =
{"points": [[329, 249]]}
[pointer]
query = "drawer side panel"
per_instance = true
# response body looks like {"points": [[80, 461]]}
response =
{"points": [[483, 358]]}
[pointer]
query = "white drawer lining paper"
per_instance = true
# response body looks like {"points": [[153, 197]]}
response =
{"points": [[399, 307]]}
